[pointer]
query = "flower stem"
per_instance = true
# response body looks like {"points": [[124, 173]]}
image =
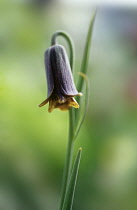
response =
{"points": [[70, 43], [68, 162], [69, 154]]}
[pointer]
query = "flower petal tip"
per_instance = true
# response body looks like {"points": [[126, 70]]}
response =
{"points": [[73, 103], [80, 94], [43, 103]]}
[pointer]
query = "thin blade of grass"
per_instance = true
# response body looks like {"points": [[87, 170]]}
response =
{"points": [[85, 61], [68, 202], [87, 95]]}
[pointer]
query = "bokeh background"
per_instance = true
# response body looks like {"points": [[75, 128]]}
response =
{"points": [[32, 141]]}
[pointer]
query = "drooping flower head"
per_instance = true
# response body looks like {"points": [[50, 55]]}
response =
{"points": [[60, 83]]}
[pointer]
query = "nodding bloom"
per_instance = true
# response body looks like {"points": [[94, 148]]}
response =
{"points": [[61, 87]]}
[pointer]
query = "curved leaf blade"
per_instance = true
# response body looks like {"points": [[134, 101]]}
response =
{"points": [[85, 60], [68, 202], [87, 95]]}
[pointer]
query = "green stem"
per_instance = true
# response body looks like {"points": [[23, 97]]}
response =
{"points": [[69, 154], [69, 41], [68, 162]]}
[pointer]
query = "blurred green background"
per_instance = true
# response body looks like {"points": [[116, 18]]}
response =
{"points": [[33, 142]]}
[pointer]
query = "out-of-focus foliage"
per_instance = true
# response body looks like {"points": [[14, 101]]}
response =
{"points": [[33, 142]]}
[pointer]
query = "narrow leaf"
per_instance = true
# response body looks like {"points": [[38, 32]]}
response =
{"points": [[85, 60], [68, 202], [87, 93]]}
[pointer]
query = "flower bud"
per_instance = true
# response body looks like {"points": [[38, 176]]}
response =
{"points": [[60, 83]]}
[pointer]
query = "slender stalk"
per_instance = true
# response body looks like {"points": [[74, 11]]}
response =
{"points": [[69, 153], [70, 43], [68, 163]]}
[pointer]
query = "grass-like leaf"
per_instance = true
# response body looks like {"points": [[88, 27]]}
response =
{"points": [[84, 64], [68, 202], [87, 94], [85, 60]]}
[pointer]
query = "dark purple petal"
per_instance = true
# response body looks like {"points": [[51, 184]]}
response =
{"points": [[49, 74], [63, 80]]}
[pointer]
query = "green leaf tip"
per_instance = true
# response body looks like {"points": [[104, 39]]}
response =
{"points": [[85, 60], [68, 202], [83, 71]]}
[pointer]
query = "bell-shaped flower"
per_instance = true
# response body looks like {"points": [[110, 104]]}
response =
{"points": [[60, 83]]}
